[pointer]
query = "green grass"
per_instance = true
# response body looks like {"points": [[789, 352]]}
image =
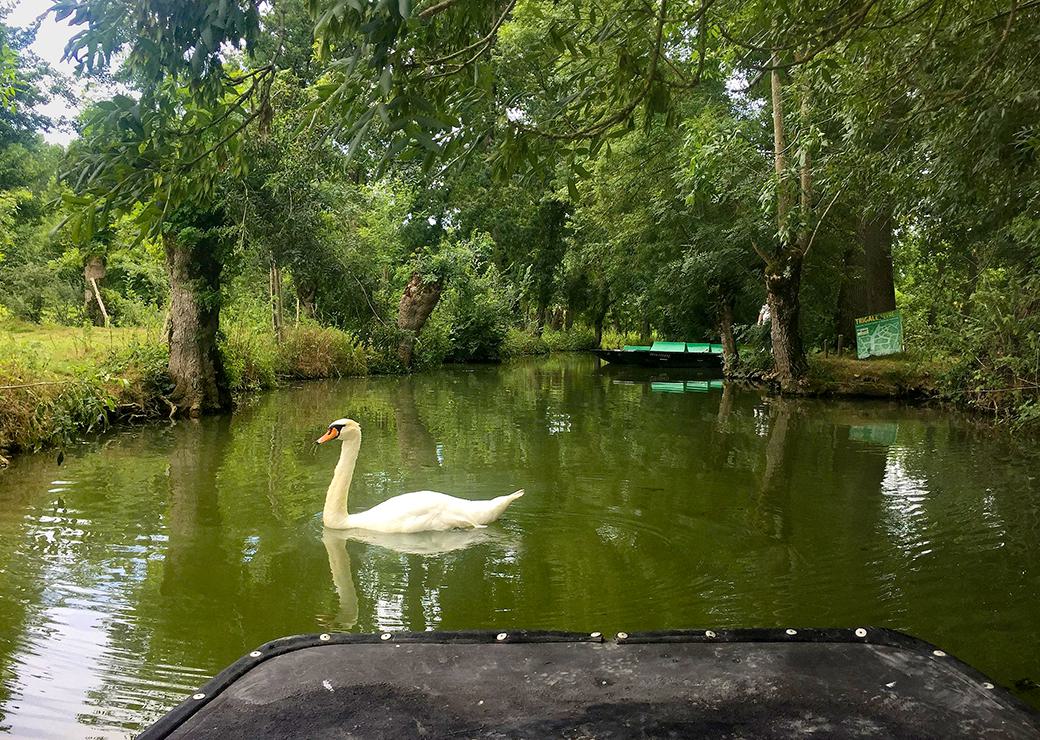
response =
{"points": [[55, 352], [58, 382]]}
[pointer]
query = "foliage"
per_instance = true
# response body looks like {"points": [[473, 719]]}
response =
{"points": [[480, 307], [999, 348], [520, 343], [43, 402], [250, 358], [576, 339], [609, 165], [320, 352]]}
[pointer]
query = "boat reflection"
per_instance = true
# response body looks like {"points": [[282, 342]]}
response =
{"points": [[665, 380]]}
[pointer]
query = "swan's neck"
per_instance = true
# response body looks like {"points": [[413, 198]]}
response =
{"points": [[335, 513]]}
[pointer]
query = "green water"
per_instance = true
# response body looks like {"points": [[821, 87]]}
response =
{"points": [[155, 556]]}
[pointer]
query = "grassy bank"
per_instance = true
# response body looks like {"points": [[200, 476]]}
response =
{"points": [[57, 382], [911, 378], [897, 376]]}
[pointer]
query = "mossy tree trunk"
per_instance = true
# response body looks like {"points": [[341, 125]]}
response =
{"points": [[417, 303], [783, 284], [196, 368]]}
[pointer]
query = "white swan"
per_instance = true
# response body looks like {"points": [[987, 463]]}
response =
{"points": [[420, 511]]}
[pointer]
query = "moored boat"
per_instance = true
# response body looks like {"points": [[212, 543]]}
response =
{"points": [[665, 354]]}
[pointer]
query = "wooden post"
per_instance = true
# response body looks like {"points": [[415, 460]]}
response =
{"points": [[839, 345], [101, 304]]}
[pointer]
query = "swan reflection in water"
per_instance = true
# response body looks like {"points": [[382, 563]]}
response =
{"points": [[414, 543]]}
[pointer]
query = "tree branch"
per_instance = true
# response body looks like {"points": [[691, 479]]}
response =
{"points": [[484, 45], [436, 8], [612, 120]]}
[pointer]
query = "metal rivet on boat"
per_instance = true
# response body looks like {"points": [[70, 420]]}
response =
{"points": [[501, 636], [709, 633], [385, 636], [198, 696], [596, 635], [791, 631], [324, 637], [860, 632], [987, 685], [622, 635], [939, 653], [255, 654]]}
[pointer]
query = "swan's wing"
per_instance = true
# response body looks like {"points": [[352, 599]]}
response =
{"points": [[417, 512]]}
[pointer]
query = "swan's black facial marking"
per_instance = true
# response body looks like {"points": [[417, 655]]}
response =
{"points": [[336, 429]]}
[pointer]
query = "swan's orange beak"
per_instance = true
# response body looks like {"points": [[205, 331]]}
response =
{"points": [[331, 434]]}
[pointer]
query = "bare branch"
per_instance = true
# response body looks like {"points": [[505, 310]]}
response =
{"points": [[436, 8]]}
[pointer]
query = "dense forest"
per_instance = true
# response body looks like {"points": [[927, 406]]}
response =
{"points": [[335, 186]]}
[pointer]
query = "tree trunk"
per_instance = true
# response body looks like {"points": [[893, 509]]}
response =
{"points": [[868, 286], [597, 324], [93, 274], [539, 319], [417, 303], [730, 356], [568, 319], [783, 272], [306, 294], [275, 289], [196, 368], [783, 283]]}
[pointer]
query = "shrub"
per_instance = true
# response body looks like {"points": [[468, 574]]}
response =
{"points": [[144, 365], [478, 329], [33, 412], [998, 351], [520, 342], [249, 359], [319, 352], [613, 339], [434, 343], [129, 310], [576, 339]]}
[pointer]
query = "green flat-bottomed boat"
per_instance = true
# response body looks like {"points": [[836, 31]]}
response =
{"points": [[665, 354]]}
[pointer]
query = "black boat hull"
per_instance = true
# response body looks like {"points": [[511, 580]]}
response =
{"points": [[661, 359], [764, 683]]}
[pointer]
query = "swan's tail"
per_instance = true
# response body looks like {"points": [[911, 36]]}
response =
{"points": [[496, 506]]}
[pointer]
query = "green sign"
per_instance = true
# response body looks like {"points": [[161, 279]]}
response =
{"points": [[879, 334]]}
